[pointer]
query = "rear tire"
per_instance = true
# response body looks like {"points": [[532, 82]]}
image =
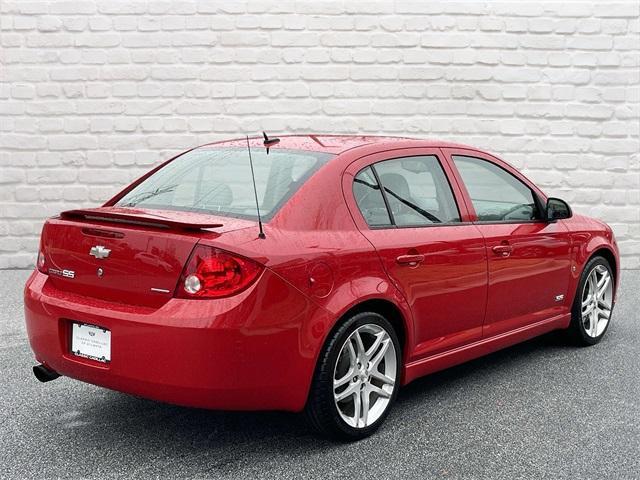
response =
{"points": [[593, 304], [356, 379]]}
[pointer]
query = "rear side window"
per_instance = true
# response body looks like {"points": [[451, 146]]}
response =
{"points": [[369, 199], [416, 191], [218, 180], [495, 193]]}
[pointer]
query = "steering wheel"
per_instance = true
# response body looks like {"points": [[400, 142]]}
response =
{"points": [[515, 208]]}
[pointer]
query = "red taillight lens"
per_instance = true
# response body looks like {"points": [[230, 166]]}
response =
{"points": [[214, 273], [41, 262]]}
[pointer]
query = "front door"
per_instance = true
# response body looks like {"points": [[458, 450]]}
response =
{"points": [[528, 258], [434, 256]]}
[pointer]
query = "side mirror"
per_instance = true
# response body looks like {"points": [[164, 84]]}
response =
{"points": [[557, 209]]}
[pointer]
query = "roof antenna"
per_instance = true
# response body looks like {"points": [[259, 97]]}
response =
{"points": [[255, 191], [268, 142]]}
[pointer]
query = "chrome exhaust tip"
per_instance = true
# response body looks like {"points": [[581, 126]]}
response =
{"points": [[44, 374]]}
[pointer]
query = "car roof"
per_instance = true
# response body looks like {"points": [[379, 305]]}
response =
{"points": [[335, 144]]}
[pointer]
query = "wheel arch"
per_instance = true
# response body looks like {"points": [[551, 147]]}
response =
{"points": [[600, 249], [384, 307], [610, 257], [400, 320]]}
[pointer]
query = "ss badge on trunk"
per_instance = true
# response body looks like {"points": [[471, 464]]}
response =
{"points": [[62, 273]]}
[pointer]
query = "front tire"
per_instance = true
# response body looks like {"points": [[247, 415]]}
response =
{"points": [[357, 378], [593, 305]]}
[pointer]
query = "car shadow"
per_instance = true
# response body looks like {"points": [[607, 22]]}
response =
{"points": [[506, 359], [226, 439]]}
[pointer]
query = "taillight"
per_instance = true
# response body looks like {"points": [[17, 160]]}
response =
{"points": [[214, 273], [42, 262]]}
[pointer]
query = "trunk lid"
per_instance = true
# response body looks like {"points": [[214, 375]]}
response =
{"points": [[126, 255]]}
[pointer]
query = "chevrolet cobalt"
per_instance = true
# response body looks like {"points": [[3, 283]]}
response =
{"points": [[312, 273]]}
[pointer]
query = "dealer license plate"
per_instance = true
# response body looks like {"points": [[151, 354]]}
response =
{"points": [[92, 342]]}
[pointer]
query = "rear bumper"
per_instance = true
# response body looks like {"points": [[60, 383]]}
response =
{"points": [[253, 351]]}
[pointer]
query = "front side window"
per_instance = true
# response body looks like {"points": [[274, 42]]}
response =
{"points": [[417, 191], [218, 181], [495, 193]]}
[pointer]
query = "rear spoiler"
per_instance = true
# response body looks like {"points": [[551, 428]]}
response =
{"points": [[142, 218]]}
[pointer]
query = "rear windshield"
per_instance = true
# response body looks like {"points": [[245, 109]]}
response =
{"points": [[218, 180]]}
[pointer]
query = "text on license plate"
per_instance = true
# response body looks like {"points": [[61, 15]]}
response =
{"points": [[92, 342]]}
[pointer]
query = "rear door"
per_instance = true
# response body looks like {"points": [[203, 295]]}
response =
{"points": [[430, 250], [528, 258]]}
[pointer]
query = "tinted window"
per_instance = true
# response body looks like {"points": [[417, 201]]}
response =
{"points": [[495, 193], [218, 180], [369, 199], [417, 191]]}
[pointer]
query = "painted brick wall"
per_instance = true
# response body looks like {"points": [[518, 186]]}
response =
{"points": [[94, 93]]}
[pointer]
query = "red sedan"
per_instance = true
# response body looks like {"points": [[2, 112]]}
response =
{"points": [[319, 273]]}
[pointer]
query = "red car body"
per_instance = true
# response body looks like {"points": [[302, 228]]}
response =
{"points": [[320, 261]]}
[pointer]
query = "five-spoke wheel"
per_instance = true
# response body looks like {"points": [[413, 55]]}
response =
{"points": [[357, 377], [591, 313], [597, 296], [365, 375]]}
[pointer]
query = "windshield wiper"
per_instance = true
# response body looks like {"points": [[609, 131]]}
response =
{"points": [[414, 207], [409, 204], [142, 196]]}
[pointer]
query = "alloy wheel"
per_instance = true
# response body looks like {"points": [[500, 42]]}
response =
{"points": [[365, 375], [597, 299]]}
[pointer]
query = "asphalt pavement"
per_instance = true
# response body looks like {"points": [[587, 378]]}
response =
{"points": [[540, 410]]}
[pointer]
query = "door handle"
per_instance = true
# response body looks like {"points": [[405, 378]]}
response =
{"points": [[411, 260], [502, 250]]}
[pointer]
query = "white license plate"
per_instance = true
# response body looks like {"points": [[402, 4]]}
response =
{"points": [[92, 342]]}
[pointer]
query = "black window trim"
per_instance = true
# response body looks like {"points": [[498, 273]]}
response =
{"points": [[386, 201], [384, 198], [534, 194]]}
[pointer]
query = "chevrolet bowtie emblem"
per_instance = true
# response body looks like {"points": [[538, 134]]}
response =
{"points": [[99, 252]]}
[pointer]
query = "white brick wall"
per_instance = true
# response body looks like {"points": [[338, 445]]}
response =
{"points": [[92, 93]]}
